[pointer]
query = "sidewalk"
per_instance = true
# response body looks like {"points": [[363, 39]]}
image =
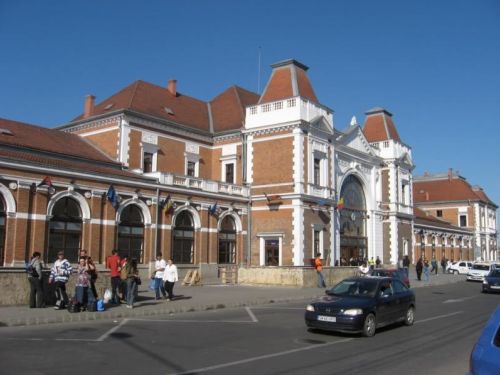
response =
{"points": [[197, 298]]}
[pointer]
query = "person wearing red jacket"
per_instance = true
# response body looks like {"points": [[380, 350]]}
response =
{"points": [[113, 263], [319, 271]]}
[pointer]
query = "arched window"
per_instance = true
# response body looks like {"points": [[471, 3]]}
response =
{"points": [[353, 240], [65, 230], [183, 241], [227, 241], [131, 233], [3, 219]]}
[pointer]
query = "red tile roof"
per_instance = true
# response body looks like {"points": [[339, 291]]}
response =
{"points": [[53, 141], [379, 126], [228, 109], [445, 189], [288, 79], [422, 218]]}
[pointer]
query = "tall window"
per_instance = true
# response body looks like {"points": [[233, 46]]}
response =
{"points": [[191, 168], [227, 241], [183, 242], [2, 230], [65, 230], [316, 242], [131, 233], [147, 162], [439, 213], [230, 173], [463, 220], [272, 252], [317, 171]]}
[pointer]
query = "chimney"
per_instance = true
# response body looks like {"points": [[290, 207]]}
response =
{"points": [[450, 174], [172, 87], [89, 106]]}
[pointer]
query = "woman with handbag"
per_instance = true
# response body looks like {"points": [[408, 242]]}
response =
{"points": [[132, 282]]}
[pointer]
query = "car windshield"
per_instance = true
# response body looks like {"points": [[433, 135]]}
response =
{"points": [[481, 267], [495, 273], [355, 288], [381, 273]]}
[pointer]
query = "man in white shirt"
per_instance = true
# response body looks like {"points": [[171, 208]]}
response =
{"points": [[170, 276], [160, 265]]}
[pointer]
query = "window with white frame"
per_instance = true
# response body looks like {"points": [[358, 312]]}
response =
{"points": [[149, 157], [271, 246], [229, 173], [317, 172], [317, 243], [463, 220], [318, 163]]}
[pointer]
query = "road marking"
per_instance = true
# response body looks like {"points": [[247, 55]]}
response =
{"points": [[459, 299], [189, 321], [109, 332], [438, 317], [252, 316], [259, 358]]}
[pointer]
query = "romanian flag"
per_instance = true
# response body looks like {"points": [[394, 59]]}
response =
{"points": [[340, 204], [168, 204]]}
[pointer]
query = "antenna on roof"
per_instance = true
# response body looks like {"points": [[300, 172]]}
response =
{"points": [[258, 70]]}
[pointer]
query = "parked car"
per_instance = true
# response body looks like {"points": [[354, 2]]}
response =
{"points": [[392, 272], [362, 304], [491, 282], [479, 270], [485, 356], [460, 267]]}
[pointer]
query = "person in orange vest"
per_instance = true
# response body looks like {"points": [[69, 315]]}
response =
{"points": [[319, 271]]}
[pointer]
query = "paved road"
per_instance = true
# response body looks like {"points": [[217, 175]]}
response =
{"points": [[265, 339]]}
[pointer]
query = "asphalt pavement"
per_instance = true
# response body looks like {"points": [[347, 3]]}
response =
{"points": [[188, 299]]}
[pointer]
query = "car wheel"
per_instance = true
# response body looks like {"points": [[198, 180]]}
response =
{"points": [[410, 316], [369, 325]]}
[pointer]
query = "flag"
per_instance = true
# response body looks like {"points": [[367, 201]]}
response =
{"points": [[47, 181], [213, 209], [113, 197], [340, 204], [323, 202], [168, 204]]}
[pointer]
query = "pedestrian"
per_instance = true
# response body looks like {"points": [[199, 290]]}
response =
{"points": [[406, 265], [418, 267], [170, 276], [113, 263], [434, 265], [123, 277], [160, 265], [132, 278], [443, 264], [35, 279], [83, 290], [319, 271], [59, 276], [92, 271], [378, 262], [371, 262], [426, 270], [364, 269]]}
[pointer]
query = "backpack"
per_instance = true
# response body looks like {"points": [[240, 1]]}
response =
{"points": [[32, 271], [124, 272]]}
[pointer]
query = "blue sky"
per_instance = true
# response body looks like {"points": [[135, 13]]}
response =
{"points": [[434, 64]]}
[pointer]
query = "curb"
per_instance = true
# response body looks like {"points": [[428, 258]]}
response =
{"points": [[66, 317]]}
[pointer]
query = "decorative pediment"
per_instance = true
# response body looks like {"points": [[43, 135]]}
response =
{"points": [[354, 138], [322, 124]]}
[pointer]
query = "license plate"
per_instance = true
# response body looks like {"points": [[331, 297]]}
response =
{"points": [[327, 318], [495, 287]]}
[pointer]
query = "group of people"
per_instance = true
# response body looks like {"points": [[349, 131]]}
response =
{"points": [[124, 280], [423, 267]]}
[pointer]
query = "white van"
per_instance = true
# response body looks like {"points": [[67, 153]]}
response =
{"points": [[460, 267], [479, 270]]}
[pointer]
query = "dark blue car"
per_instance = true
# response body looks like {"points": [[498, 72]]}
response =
{"points": [[485, 356], [362, 304], [491, 282]]}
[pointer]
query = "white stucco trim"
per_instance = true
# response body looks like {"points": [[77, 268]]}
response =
{"points": [[236, 218], [10, 202], [195, 215], [84, 206], [142, 206], [298, 161], [298, 233]]}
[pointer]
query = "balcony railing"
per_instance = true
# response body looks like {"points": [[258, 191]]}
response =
{"points": [[201, 184]]}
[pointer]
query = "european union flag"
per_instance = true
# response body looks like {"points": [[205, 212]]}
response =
{"points": [[113, 197]]}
